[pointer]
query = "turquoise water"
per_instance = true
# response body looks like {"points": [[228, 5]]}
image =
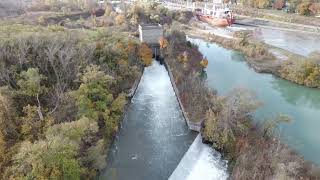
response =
{"points": [[227, 69]]}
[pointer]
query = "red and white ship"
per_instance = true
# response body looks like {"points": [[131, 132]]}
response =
{"points": [[216, 16]]}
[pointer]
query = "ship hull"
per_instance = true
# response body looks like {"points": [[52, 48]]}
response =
{"points": [[221, 22]]}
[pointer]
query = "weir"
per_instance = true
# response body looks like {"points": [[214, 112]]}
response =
{"points": [[200, 162], [154, 135], [154, 138]]}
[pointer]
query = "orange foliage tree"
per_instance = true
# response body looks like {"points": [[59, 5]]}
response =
{"points": [[120, 19], [145, 53], [163, 43], [184, 57], [204, 62]]}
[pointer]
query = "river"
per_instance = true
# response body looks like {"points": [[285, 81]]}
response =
{"points": [[154, 135], [228, 69]]}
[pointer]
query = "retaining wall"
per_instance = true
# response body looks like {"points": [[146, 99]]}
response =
{"points": [[195, 126]]}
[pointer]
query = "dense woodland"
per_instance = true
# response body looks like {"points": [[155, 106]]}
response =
{"points": [[64, 78], [62, 95]]}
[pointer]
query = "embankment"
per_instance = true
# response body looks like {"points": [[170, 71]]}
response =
{"points": [[249, 151], [262, 22], [195, 126], [265, 58]]}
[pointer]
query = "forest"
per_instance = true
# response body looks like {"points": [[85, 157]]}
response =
{"points": [[65, 76], [62, 95]]}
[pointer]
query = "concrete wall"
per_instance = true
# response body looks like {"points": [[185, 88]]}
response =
{"points": [[150, 33], [195, 126]]}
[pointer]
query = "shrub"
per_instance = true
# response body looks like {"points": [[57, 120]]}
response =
{"points": [[315, 8], [228, 117], [279, 4], [305, 72], [51, 158], [303, 8], [93, 96], [145, 53], [120, 19]]}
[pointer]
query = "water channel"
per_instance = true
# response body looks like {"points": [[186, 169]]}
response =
{"points": [[227, 69], [154, 135]]}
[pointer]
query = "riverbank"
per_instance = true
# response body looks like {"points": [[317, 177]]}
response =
{"points": [[265, 58], [277, 18], [195, 126], [259, 58], [269, 23], [235, 135]]}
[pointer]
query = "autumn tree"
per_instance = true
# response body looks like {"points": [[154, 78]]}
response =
{"points": [[204, 62], [55, 156], [8, 129], [163, 43], [279, 4], [315, 8], [120, 19], [93, 96], [228, 116], [30, 85], [145, 53], [108, 10], [303, 8]]}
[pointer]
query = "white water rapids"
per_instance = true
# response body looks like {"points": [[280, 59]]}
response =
{"points": [[200, 162]]}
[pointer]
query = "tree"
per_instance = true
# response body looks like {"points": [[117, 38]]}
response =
{"points": [[228, 116], [204, 62], [271, 125], [55, 157], [30, 85], [108, 10], [120, 19], [145, 53], [279, 4], [114, 113], [315, 8], [8, 129], [262, 3], [47, 159], [303, 8], [93, 96], [163, 43]]}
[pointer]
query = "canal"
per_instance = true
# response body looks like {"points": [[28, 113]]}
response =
{"points": [[228, 69], [154, 136]]}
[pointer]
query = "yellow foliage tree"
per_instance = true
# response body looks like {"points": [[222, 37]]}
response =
{"points": [[145, 53], [204, 62], [163, 43], [120, 19], [41, 20], [184, 57]]}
